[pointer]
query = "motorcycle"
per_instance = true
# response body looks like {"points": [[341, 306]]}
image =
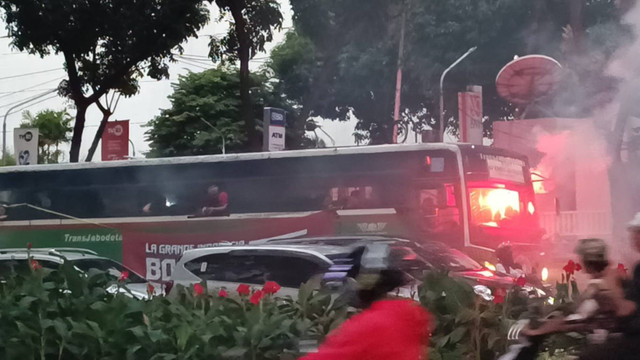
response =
{"points": [[531, 333]]}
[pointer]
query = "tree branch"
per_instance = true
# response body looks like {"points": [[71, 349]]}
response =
{"points": [[74, 80], [110, 80]]}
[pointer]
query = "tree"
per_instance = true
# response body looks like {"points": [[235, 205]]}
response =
{"points": [[10, 160], [206, 106], [340, 61], [54, 128], [107, 45], [251, 28]]}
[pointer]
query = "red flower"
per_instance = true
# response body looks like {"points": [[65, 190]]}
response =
{"points": [[35, 265], [622, 269], [150, 289], [124, 275], [578, 267], [271, 287], [498, 297], [521, 281], [29, 246], [256, 297], [198, 289], [223, 293], [243, 289], [570, 268]]}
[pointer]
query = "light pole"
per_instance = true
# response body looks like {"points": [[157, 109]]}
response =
{"points": [[224, 151], [4, 122], [444, 73], [133, 147]]}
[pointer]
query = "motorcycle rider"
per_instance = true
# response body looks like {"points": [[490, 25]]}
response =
{"points": [[633, 288], [387, 328], [599, 309], [506, 265]]}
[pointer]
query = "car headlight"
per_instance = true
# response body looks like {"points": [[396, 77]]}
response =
{"points": [[545, 274], [483, 292]]}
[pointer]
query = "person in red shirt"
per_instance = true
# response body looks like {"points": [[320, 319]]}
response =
{"points": [[216, 203], [388, 328]]}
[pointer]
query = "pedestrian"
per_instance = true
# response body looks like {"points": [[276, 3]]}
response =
{"points": [[386, 329]]}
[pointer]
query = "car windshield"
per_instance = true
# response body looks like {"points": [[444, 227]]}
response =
{"points": [[443, 257], [113, 268]]}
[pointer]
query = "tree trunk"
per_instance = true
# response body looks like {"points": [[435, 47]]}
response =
{"points": [[78, 128], [98, 136], [244, 55], [575, 20]]}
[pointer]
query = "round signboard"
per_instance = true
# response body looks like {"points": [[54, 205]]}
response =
{"points": [[528, 78]]}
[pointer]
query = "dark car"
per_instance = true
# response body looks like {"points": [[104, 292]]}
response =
{"points": [[417, 257]]}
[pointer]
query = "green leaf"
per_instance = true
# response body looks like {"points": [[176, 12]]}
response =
{"points": [[182, 334], [26, 330], [457, 334], [131, 352], [26, 301]]}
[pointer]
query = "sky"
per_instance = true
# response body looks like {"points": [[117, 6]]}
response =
{"points": [[23, 76]]}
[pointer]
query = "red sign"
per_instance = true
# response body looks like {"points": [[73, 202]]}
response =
{"points": [[115, 141], [470, 115]]}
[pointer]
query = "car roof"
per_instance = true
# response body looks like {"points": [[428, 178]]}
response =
{"points": [[319, 251], [335, 239], [50, 253]]}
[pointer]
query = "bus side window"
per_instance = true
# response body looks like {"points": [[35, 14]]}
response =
{"points": [[351, 197], [429, 202]]}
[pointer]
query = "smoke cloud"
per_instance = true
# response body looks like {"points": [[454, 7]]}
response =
{"points": [[597, 145]]}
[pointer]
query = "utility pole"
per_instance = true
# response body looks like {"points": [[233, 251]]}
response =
{"points": [[396, 110]]}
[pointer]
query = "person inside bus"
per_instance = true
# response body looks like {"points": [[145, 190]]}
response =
{"points": [[330, 203], [216, 203], [356, 200], [157, 206]]}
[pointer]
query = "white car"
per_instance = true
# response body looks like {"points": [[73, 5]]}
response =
{"points": [[82, 259], [288, 265]]}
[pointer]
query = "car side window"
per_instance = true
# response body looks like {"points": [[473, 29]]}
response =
{"points": [[21, 266], [254, 269]]}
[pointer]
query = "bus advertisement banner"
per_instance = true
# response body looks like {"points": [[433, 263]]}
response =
{"points": [[153, 252], [115, 141]]}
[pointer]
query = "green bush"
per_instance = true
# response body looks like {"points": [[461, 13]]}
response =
{"points": [[63, 314], [66, 315]]}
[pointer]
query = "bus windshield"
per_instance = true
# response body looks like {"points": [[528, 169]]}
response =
{"points": [[495, 207]]}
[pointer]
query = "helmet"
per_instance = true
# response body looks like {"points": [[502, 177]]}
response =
{"points": [[635, 223], [504, 251], [592, 250]]}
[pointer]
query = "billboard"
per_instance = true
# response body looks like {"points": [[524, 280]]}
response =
{"points": [[115, 141], [470, 115], [274, 129], [25, 142]]}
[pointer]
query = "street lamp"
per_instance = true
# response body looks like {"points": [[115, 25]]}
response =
{"points": [[444, 73], [4, 122], [311, 125], [224, 151], [133, 147]]}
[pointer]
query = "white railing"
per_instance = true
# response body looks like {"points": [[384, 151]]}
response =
{"points": [[578, 223]]}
